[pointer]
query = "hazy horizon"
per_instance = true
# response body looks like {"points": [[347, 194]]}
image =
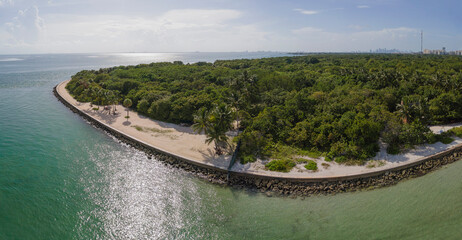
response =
{"points": [[70, 26]]}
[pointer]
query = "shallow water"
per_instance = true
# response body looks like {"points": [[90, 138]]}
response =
{"points": [[61, 178]]}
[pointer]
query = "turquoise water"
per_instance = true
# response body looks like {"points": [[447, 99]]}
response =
{"points": [[61, 178]]}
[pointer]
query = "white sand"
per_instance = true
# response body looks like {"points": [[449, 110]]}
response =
{"points": [[172, 138], [183, 142], [381, 161]]}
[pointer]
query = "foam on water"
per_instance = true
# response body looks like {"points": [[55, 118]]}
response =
{"points": [[10, 59]]}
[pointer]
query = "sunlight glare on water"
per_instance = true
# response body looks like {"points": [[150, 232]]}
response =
{"points": [[61, 178]]}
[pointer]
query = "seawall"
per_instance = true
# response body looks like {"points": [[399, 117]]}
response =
{"points": [[282, 185]]}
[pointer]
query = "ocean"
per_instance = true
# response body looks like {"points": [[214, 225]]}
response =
{"points": [[61, 178]]}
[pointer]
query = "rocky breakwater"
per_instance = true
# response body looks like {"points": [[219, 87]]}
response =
{"points": [[306, 187], [279, 185]]}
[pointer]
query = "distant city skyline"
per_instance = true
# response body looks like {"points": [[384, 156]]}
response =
{"points": [[71, 26]]}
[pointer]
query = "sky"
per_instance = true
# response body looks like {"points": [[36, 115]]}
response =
{"points": [[84, 26]]}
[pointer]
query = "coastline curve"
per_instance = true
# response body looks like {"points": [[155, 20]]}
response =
{"points": [[281, 185]]}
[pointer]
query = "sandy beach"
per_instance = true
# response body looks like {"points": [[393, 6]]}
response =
{"points": [[183, 142], [168, 137]]}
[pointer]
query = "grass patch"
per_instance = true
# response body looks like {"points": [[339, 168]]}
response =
{"points": [[456, 131], [154, 130], [341, 159], [301, 160], [279, 151], [312, 165], [313, 154], [348, 161], [445, 137], [281, 165], [373, 164], [248, 159], [325, 165], [157, 132], [446, 140]]}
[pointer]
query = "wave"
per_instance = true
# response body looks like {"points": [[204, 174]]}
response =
{"points": [[10, 59]]}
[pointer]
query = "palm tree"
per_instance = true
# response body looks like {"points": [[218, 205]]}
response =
{"points": [[218, 137], [116, 99], [84, 82], [214, 124], [112, 99], [413, 107], [201, 121], [422, 109], [90, 93], [222, 116], [94, 95], [127, 103], [404, 109]]}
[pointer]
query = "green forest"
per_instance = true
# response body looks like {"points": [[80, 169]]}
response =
{"points": [[335, 105]]}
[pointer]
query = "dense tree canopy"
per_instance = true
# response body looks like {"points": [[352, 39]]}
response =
{"points": [[337, 104]]}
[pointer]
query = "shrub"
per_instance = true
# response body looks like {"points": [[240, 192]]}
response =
{"points": [[431, 138], [312, 165], [341, 159], [414, 133], [399, 135], [247, 159], [313, 154], [393, 149], [328, 159], [373, 164], [143, 106], [456, 131], [445, 139], [301, 160], [280, 165], [252, 143]]}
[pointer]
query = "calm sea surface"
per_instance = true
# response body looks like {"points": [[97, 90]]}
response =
{"points": [[61, 178]]}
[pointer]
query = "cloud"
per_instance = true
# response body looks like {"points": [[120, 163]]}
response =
{"points": [[307, 30], [392, 33], [182, 30], [313, 39], [356, 27], [306, 12], [199, 17], [174, 30], [26, 27], [6, 2], [362, 6]]}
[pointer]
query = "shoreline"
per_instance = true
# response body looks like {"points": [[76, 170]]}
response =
{"points": [[277, 182]]}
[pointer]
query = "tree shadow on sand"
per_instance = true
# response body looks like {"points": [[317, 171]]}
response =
{"points": [[211, 157], [105, 116]]}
